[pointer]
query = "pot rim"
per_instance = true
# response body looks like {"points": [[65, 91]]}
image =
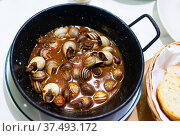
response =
{"points": [[58, 115]]}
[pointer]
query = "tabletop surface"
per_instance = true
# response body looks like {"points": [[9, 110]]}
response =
{"points": [[13, 14]]}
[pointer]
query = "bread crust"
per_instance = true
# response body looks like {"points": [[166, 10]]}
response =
{"points": [[170, 115], [163, 96]]}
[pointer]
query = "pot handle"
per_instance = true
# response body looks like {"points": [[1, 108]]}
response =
{"points": [[155, 26]]}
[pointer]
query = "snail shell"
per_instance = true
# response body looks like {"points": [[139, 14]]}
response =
{"points": [[54, 44], [49, 97], [51, 67], [39, 76], [93, 35], [67, 76], [90, 53], [91, 61], [97, 72], [74, 89], [100, 97], [110, 84], [98, 62], [117, 74], [74, 32], [108, 48], [37, 86], [61, 32], [88, 45], [97, 44], [87, 89], [76, 73], [106, 56], [50, 91], [105, 41], [66, 66], [81, 38], [117, 60], [82, 103], [69, 48], [44, 53], [67, 95], [85, 73], [37, 63]]}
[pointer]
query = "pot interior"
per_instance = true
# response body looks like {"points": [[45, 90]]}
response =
{"points": [[82, 15]]}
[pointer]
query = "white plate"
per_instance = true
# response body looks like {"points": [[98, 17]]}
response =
{"points": [[29, 112], [169, 13]]}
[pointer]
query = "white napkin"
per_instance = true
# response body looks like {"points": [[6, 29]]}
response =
{"points": [[168, 57]]}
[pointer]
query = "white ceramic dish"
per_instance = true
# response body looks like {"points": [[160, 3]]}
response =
{"points": [[31, 113], [169, 13]]}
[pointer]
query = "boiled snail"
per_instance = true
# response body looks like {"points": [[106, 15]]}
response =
{"points": [[44, 53], [76, 68], [110, 84], [53, 45], [67, 75], [100, 96], [66, 66], [117, 74], [50, 91], [51, 67], [82, 103], [108, 48], [105, 41], [87, 89], [74, 89], [117, 60], [106, 56], [93, 35], [97, 72], [37, 86], [69, 49], [61, 32], [85, 73], [76, 73], [37, 63], [92, 61], [39, 76], [74, 32]]}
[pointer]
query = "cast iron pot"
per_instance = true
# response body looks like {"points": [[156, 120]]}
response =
{"points": [[82, 15]]}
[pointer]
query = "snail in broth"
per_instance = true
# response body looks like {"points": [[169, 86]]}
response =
{"points": [[75, 68]]}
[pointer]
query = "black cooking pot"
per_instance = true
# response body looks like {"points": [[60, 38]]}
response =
{"points": [[81, 15]]}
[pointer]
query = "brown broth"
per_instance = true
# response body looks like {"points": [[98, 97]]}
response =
{"points": [[77, 61]]}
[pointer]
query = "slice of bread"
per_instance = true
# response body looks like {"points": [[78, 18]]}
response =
{"points": [[168, 93]]}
